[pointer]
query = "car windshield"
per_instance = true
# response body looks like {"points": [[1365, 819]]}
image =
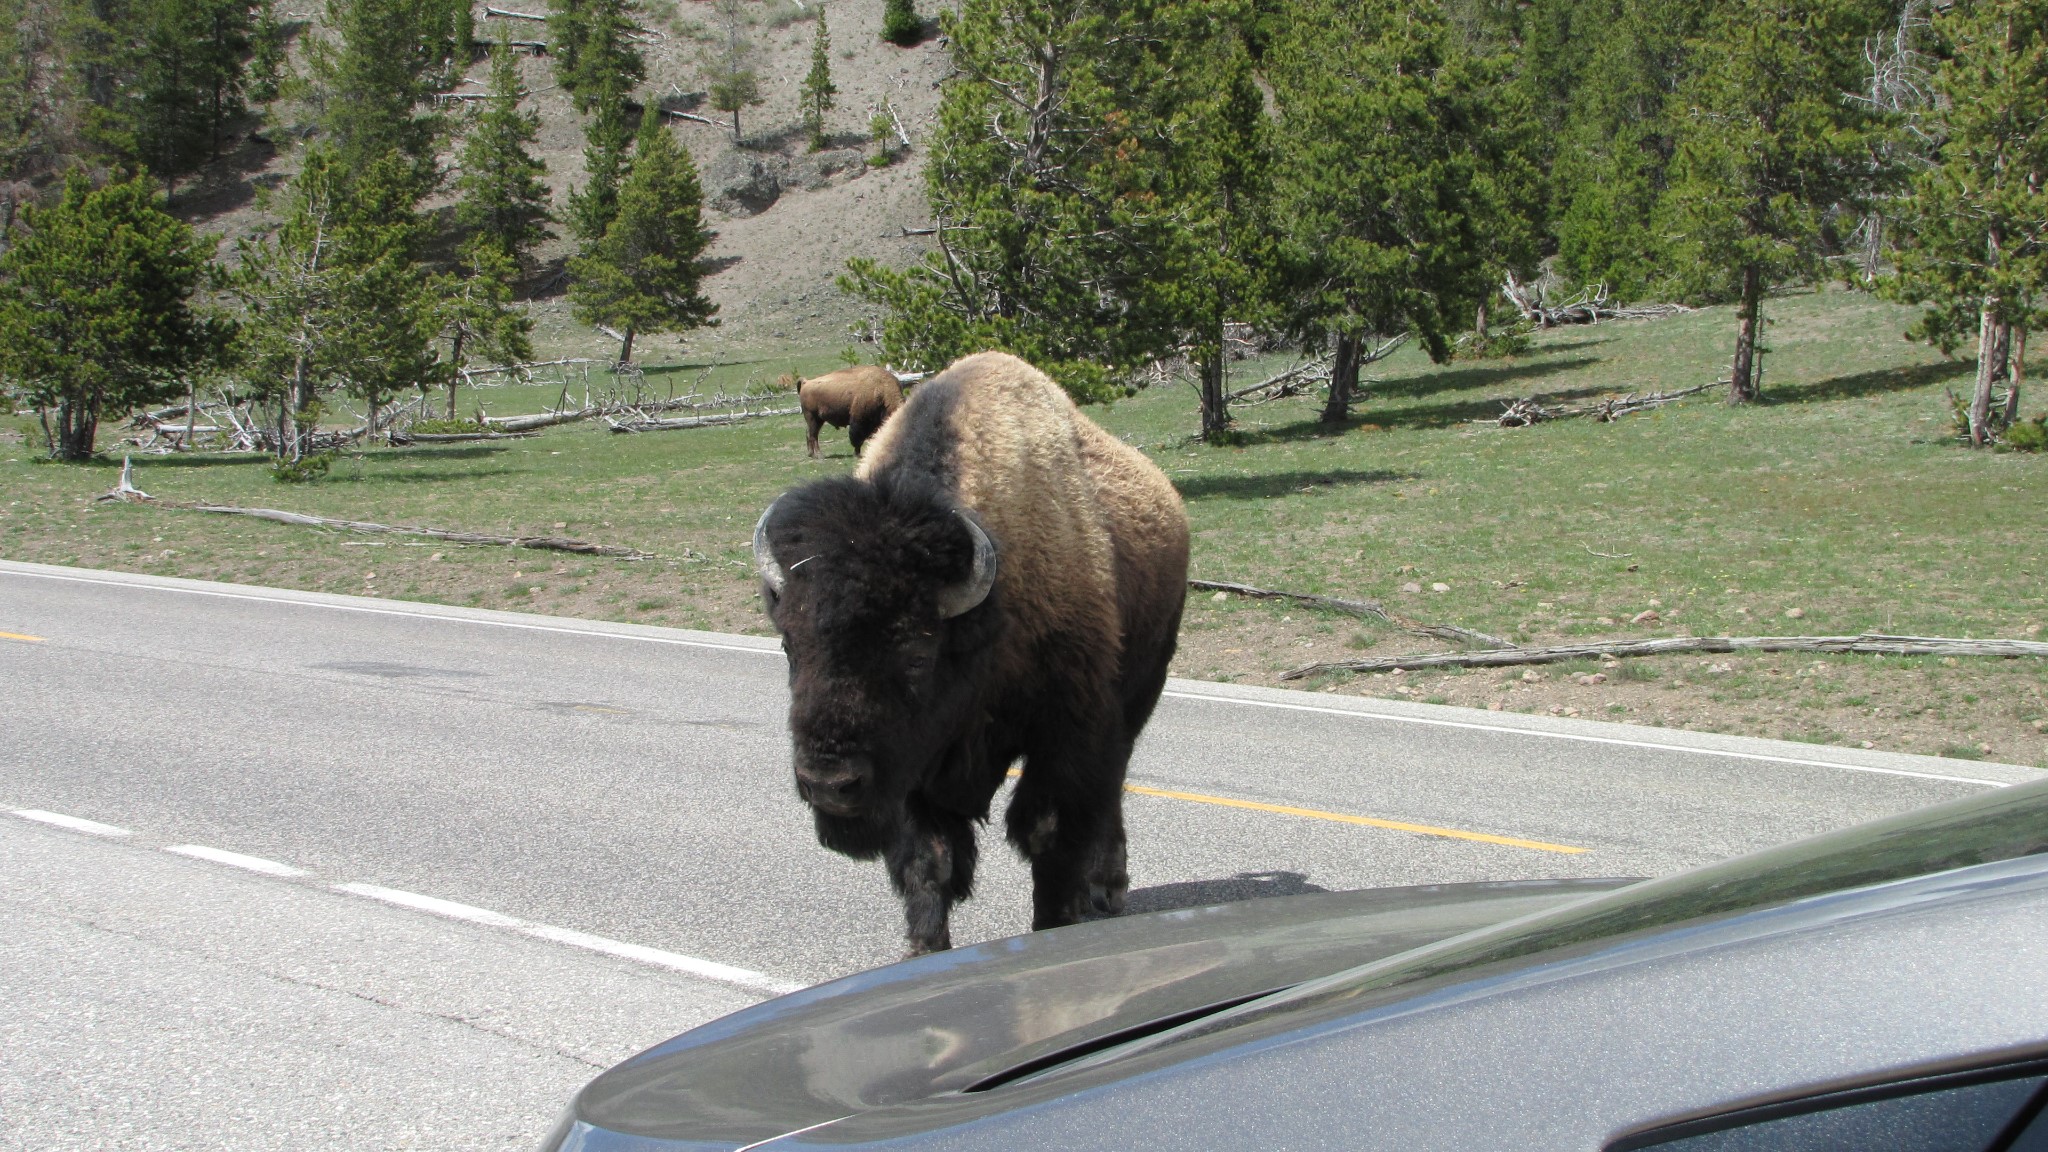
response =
{"points": [[2001, 825]]}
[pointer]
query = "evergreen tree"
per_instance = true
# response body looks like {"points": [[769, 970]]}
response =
{"points": [[606, 140], [1054, 231], [477, 315], [336, 296], [392, 56], [163, 78], [95, 309], [1221, 262], [818, 89], [645, 274], [595, 59], [504, 202], [1768, 152], [900, 23], [1382, 127], [28, 42], [267, 53], [729, 67], [1974, 243], [1599, 77]]}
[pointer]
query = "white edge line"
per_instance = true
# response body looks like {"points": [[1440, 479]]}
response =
{"points": [[235, 860], [655, 957], [424, 611], [74, 823], [1538, 732]]}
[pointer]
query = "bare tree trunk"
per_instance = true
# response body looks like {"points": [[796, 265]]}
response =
{"points": [[191, 408], [1742, 383], [735, 126], [455, 377], [626, 348], [1343, 380], [1987, 372], [2019, 370], [1479, 322], [1215, 403], [77, 428]]}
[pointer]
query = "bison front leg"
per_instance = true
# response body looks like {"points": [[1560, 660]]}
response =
{"points": [[1075, 842], [931, 865]]}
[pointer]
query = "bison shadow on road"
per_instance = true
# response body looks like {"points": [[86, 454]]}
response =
{"points": [[1198, 893]]}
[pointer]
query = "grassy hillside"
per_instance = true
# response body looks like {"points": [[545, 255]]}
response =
{"points": [[1840, 498]]}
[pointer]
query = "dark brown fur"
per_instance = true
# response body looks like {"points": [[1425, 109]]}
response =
{"points": [[905, 722], [859, 400]]}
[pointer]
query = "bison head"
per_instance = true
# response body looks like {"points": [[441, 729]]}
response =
{"points": [[884, 595]]}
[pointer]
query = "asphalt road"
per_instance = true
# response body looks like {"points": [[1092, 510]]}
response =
{"points": [[618, 799]]}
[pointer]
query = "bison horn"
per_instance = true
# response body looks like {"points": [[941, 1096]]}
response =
{"points": [[764, 556], [957, 598]]}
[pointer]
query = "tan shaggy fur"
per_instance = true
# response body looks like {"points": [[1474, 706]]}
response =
{"points": [[1093, 538], [858, 399]]}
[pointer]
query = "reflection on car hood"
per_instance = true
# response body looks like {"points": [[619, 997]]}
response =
{"points": [[946, 1022]]}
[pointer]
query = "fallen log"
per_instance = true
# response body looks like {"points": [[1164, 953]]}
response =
{"points": [[1529, 410], [399, 439], [1368, 608], [1866, 644], [541, 543], [542, 419], [128, 493], [722, 418]]}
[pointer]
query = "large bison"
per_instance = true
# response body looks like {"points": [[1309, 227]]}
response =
{"points": [[998, 579], [859, 400]]}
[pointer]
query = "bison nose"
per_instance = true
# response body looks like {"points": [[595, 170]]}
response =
{"points": [[835, 791]]}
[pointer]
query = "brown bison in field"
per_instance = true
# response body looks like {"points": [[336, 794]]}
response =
{"points": [[999, 579], [856, 399]]}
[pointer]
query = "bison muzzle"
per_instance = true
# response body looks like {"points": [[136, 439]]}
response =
{"points": [[1000, 581]]}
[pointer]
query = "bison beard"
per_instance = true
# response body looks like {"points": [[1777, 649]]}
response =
{"points": [[920, 670]]}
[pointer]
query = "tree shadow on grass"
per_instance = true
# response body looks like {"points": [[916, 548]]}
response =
{"points": [[1492, 376], [1200, 893], [428, 476], [1872, 383], [1260, 486]]}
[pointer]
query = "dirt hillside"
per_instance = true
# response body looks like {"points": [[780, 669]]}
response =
{"points": [[787, 219]]}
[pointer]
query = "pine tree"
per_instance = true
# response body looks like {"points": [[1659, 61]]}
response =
{"points": [[392, 56], [336, 297], [606, 140], [1767, 153], [268, 59], [645, 274], [1221, 262], [96, 314], [1382, 126], [1974, 240], [900, 23], [504, 202], [818, 89], [476, 314], [1053, 227], [729, 67], [595, 59], [165, 80], [1601, 75]]}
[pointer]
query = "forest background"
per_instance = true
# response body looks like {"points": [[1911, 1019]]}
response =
{"points": [[322, 220]]}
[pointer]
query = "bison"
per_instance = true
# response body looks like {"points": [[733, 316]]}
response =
{"points": [[999, 579], [856, 399]]}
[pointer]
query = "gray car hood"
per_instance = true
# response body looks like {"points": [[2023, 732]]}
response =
{"points": [[981, 1015]]}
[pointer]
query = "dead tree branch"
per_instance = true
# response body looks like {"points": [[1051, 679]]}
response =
{"points": [[644, 424], [539, 543], [1367, 608], [1590, 306], [1531, 410], [1868, 644]]}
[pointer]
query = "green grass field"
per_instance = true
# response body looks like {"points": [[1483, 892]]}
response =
{"points": [[1841, 498]]}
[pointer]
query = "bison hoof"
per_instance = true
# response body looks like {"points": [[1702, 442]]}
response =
{"points": [[927, 947]]}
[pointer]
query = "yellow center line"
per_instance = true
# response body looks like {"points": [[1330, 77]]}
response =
{"points": [[22, 638], [1346, 818]]}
